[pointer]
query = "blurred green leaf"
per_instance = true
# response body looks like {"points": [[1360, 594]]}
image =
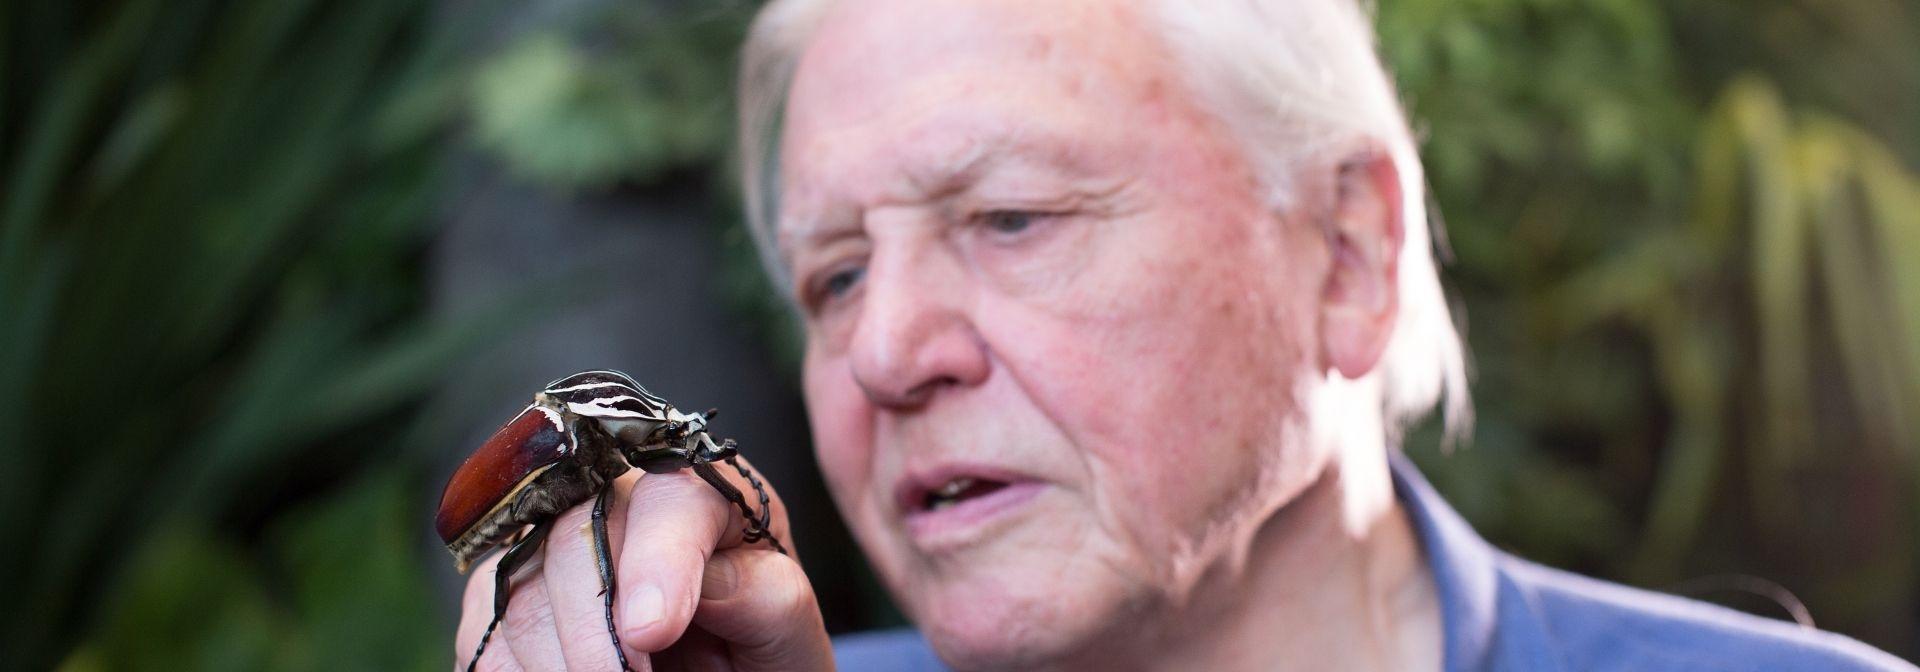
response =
{"points": [[357, 555], [355, 599], [1685, 236], [191, 603], [186, 225], [553, 116], [572, 116]]}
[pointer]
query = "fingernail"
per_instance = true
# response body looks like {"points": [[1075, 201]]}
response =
{"points": [[644, 607]]}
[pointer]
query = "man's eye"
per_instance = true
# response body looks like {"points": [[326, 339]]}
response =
{"points": [[838, 283], [1009, 221]]}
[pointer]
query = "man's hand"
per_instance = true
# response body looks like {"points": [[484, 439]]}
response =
{"points": [[687, 593]]}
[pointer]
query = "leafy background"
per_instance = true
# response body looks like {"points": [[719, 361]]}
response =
{"points": [[1685, 237]]}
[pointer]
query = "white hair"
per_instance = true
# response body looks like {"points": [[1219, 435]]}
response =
{"points": [[1295, 80]]}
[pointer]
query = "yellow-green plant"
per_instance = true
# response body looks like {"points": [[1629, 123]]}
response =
{"points": [[1784, 318]]}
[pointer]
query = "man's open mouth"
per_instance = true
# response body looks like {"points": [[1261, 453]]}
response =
{"points": [[950, 506], [957, 490]]}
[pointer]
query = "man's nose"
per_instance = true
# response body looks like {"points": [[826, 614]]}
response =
{"points": [[915, 336]]}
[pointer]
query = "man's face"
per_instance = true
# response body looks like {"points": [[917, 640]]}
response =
{"points": [[1053, 334]]}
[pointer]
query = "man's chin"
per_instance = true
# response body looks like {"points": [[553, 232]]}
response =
{"points": [[1010, 643], [991, 625]]}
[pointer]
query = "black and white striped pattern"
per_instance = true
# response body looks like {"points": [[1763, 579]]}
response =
{"points": [[609, 395]]}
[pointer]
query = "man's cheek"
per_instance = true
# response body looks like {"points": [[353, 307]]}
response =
{"points": [[842, 429], [845, 454]]}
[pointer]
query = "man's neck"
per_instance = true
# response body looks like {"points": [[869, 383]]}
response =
{"points": [[1336, 579]]}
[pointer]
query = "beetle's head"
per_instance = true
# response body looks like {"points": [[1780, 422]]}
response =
{"points": [[705, 450], [697, 423]]}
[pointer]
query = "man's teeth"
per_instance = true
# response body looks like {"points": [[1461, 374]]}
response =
{"points": [[954, 487], [947, 494]]}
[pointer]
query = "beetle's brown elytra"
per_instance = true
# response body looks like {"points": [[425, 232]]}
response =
{"points": [[493, 476], [580, 432]]}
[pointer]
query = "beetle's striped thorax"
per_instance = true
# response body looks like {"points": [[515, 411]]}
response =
{"points": [[627, 411]]}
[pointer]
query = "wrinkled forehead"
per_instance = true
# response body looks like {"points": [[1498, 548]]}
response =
{"points": [[891, 99], [880, 44]]}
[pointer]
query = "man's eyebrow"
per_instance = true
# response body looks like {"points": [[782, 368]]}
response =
{"points": [[1029, 146], [955, 173], [813, 231], [934, 179]]}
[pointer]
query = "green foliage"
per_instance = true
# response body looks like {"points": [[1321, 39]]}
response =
{"points": [[234, 623], [208, 264], [623, 94], [1689, 304], [1805, 206], [627, 94], [354, 596]]}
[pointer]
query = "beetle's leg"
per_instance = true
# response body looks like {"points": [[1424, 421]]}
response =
{"points": [[603, 556], [765, 523], [756, 529], [658, 460], [760, 527], [713, 478], [503, 578]]}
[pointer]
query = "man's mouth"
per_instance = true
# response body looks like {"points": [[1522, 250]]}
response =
{"points": [[949, 507]]}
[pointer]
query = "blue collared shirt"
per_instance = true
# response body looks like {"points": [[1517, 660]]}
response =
{"points": [[1500, 612]]}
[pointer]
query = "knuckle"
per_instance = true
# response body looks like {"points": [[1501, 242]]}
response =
{"points": [[585, 639], [778, 603], [657, 490], [571, 539], [592, 649], [577, 517], [772, 581], [794, 592], [676, 517], [480, 580], [527, 616]]}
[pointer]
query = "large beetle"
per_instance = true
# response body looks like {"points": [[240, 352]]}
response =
{"points": [[579, 433]]}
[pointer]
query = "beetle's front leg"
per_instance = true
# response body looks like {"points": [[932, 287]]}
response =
{"points": [[756, 527], [659, 460], [713, 478], [764, 525]]}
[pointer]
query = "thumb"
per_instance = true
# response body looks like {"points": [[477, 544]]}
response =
{"points": [[763, 606]]}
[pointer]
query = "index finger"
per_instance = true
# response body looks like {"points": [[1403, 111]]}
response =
{"points": [[674, 523]]}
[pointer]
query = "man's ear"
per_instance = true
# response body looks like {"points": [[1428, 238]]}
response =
{"points": [[1361, 295]]}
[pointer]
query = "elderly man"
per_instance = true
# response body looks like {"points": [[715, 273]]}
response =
{"points": [[1114, 311]]}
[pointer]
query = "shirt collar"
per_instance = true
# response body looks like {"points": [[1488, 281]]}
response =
{"points": [[1479, 633]]}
